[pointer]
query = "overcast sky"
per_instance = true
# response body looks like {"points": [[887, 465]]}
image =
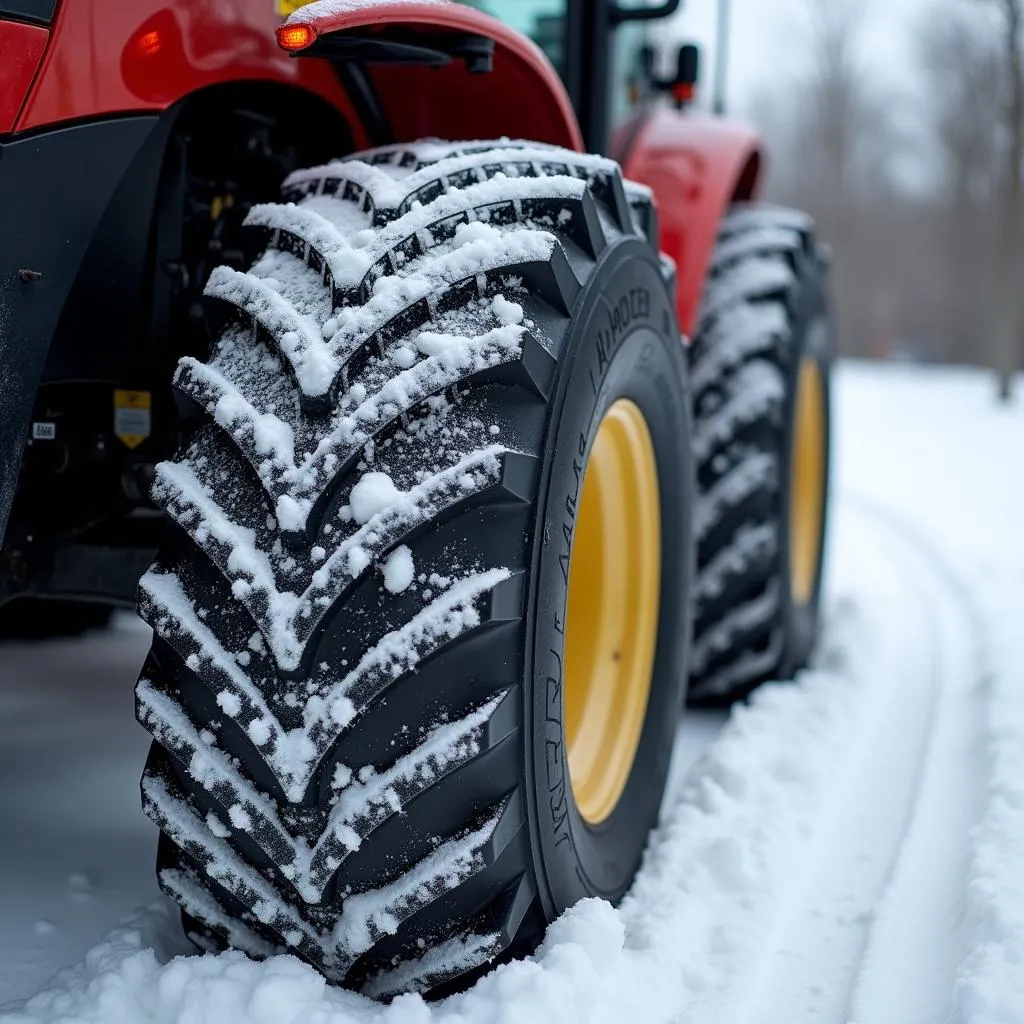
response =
{"points": [[770, 43], [769, 37]]}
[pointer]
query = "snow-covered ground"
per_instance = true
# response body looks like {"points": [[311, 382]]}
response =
{"points": [[847, 849]]}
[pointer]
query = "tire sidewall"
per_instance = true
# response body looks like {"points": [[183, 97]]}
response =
{"points": [[812, 337], [624, 343]]}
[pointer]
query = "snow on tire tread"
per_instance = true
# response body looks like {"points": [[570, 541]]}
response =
{"points": [[740, 363], [387, 307]]}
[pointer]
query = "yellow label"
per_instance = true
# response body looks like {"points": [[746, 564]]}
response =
{"points": [[286, 7], [133, 419]]}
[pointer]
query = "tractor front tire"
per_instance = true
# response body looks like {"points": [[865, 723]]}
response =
{"points": [[760, 374], [421, 628]]}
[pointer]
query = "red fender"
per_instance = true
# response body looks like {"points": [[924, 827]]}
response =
{"points": [[121, 56], [696, 166], [522, 97], [21, 50]]}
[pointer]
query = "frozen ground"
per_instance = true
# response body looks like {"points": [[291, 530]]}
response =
{"points": [[849, 849]]}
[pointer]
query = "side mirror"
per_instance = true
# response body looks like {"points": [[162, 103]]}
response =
{"points": [[688, 64], [683, 85], [619, 13]]}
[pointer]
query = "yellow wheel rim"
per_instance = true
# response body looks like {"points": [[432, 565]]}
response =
{"points": [[807, 496], [613, 609]]}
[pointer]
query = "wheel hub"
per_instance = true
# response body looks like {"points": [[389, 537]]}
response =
{"points": [[613, 610], [807, 497]]}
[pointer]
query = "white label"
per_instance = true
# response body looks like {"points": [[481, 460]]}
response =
{"points": [[132, 419], [44, 431], [128, 422]]}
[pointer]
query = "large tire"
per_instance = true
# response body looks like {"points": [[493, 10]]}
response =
{"points": [[760, 373], [374, 774]]}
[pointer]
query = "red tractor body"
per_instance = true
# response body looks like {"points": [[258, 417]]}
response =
{"points": [[94, 59], [91, 87]]}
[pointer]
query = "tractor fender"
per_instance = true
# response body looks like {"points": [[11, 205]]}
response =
{"points": [[520, 97], [697, 167], [110, 57]]}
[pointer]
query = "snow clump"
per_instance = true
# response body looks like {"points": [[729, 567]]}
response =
{"points": [[399, 570], [374, 493]]}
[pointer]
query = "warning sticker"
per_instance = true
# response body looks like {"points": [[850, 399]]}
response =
{"points": [[286, 7], [132, 416]]}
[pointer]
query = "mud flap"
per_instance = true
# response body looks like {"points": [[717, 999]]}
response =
{"points": [[54, 190]]}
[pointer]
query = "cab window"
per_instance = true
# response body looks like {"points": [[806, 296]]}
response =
{"points": [[542, 20], [545, 21]]}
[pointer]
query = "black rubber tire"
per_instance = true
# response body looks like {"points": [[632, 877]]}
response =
{"points": [[39, 619], [442, 854], [765, 310]]}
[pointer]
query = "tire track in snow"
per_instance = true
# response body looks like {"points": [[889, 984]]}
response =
{"points": [[870, 925], [902, 977], [744, 842]]}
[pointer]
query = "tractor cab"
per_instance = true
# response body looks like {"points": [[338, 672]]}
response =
{"points": [[604, 55]]}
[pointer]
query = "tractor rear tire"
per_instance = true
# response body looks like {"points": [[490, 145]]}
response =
{"points": [[421, 627], [760, 374]]}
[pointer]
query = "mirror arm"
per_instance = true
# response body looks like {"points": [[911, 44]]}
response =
{"points": [[619, 14]]}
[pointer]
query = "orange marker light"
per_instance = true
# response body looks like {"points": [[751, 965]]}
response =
{"points": [[295, 37], [149, 44]]}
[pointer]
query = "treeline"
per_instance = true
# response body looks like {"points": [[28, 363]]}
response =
{"points": [[920, 201]]}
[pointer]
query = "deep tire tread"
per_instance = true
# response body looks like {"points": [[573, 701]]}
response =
{"points": [[741, 361], [268, 583]]}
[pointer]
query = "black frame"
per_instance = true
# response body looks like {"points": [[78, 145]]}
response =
{"points": [[36, 12], [91, 217], [589, 45]]}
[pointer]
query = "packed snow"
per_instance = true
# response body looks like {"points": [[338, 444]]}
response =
{"points": [[372, 494], [399, 570], [848, 849]]}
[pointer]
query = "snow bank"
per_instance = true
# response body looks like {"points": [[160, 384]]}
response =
{"points": [[990, 983], [693, 917], [717, 898]]}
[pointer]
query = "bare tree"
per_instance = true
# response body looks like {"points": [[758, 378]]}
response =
{"points": [[1005, 105], [839, 165], [1008, 327], [830, 109], [932, 267], [962, 68]]}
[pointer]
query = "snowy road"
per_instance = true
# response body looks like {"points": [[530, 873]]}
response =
{"points": [[850, 849]]}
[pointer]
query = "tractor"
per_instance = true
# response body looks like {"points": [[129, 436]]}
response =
{"points": [[468, 410]]}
